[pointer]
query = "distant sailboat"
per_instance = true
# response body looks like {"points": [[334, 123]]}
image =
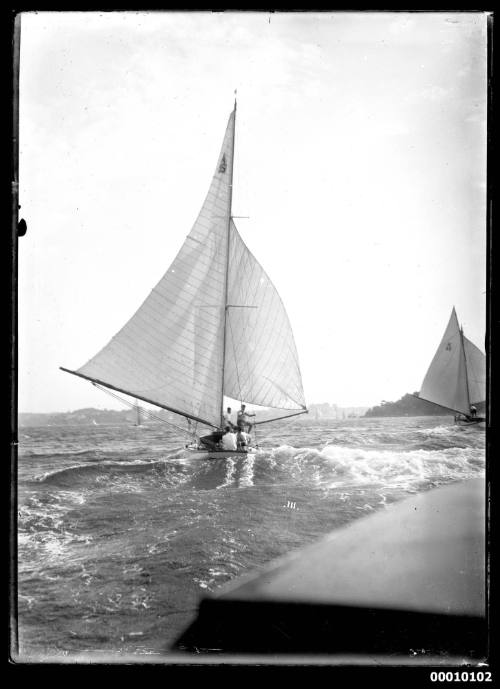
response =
{"points": [[213, 327], [456, 379], [138, 419]]}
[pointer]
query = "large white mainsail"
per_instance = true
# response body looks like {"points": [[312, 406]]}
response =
{"points": [[213, 326], [457, 375], [170, 352]]}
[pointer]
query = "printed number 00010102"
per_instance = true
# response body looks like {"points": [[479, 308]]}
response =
{"points": [[461, 676]]}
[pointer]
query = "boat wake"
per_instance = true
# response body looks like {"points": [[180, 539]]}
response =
{"points": [[239, 472], [336, 466], [247, 469], [230, 471], [429, 455]]}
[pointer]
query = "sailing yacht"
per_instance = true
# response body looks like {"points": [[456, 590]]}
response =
{"points": [[138, 416], [456, 379], [213, 329]]}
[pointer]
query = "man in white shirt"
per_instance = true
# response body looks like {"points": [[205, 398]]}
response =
{"points": [[242, 439], [227, 418], [228, 441]]}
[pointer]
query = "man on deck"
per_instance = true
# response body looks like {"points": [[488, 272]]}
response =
{"points": [[228, 441], [227, 418], [243, 420], [242, 439]]}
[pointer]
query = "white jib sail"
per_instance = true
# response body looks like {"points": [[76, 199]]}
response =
{"points": [[476, 372], [261, 365], [446, 382], [171, 351]]}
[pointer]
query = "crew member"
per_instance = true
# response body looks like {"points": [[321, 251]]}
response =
{"points": [[243, 419], [228, 441], [242, 439], [227, 417]]}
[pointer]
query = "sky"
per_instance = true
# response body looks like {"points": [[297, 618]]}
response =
{"points": [[360, 159]]}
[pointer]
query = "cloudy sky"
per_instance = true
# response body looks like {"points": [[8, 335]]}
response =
{"points": [[360, 159]]}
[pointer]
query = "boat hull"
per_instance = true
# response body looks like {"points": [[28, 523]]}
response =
{"points": [[470, 422], [203, 453]]}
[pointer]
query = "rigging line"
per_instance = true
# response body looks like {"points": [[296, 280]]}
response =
{"points": [[466, 365], [140, 397], [193, 432], [284, 392], [235, 358], [144, 411], [147, 412], [279, 418]]}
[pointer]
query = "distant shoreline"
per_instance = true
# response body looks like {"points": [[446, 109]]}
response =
{"points": [[106, 417]]}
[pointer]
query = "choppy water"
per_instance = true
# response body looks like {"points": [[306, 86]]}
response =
{"points": [[120, 532]]}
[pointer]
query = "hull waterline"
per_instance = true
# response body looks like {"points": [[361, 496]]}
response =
{"points": [[202, 453]]}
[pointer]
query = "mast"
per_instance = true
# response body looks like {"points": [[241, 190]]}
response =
{"points": [[465, 365], [227, 269]]}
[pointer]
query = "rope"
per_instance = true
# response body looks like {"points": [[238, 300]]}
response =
{"points": [[235, 359], [148, 413]]}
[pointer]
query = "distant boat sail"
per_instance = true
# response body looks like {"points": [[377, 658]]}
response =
{"points": [[213, 327], [456, 378], [138, 419]]}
